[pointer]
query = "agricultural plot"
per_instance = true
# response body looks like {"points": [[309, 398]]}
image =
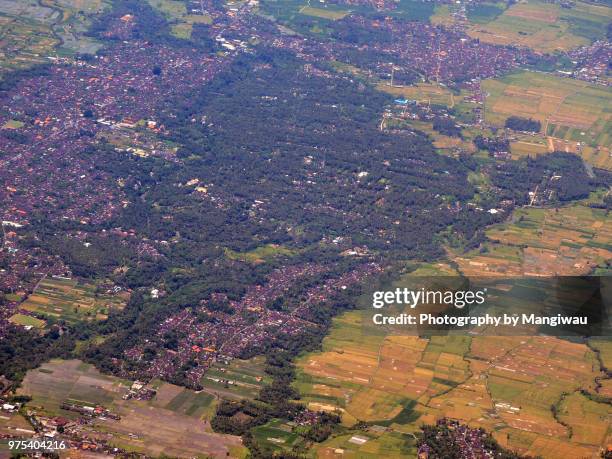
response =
{"points": [[524, 377], [260, 254], [144, 427], [182, 21], [276, 434], [541, 26], [199, 405], [483, 13], [369, 376], [13, 425], [427, 93], [72, 301], [27, 321], [31, 31], [573, 114], [369, 445], [533, 145], [588, 420], [312, 16], [570, 240], [303, 16], [324, 13], [506, 385], [239, 379]]}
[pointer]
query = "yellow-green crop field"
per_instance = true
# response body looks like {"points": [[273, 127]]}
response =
{"points": [[323, 13], [182, 21], [569, 240], [564, 106], [545, 27], [506, 385], [72, 301], [240, 379]]}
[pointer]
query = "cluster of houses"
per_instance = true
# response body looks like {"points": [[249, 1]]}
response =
{"points": [[250, 325]]}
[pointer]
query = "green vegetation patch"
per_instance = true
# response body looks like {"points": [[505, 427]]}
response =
{"points": [[481, 13], [260, 254], [67, 299], [27, 321]]}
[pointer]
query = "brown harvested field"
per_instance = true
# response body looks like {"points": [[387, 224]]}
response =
{"points": [[556, 448], [535, 12]]}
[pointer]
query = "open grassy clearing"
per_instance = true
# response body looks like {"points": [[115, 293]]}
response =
{"points": [[324, 13], [71, 300], [428, 93], [27, 321], [369, 445], [170, 427], [542, 26], [312, 16], [260, 254], [276, 434], [483, 13], [13, 124]]}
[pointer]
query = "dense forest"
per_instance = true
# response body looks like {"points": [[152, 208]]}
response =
{"points": [[517, 123]]}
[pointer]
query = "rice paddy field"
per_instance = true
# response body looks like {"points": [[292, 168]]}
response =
{"points": [[317, 16], [506, 385], [276, 434], [32, 31], [574, 115], [538, 395], [174, 423], [565, 107], [182, 21], [240, 379], [570, 240], [539, 25], [72, 301]]}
